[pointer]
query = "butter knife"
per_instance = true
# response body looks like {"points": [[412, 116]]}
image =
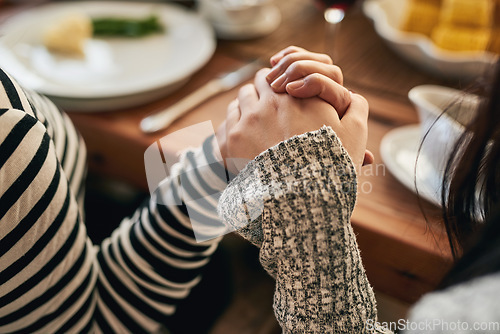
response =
{"points": [[164, 118]]}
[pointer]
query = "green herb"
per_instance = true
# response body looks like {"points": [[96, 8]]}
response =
{"points": [[125, 27]]}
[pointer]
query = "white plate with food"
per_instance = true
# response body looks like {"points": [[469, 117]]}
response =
{"points": [[429, 45], [108, 72], [399, 149]]}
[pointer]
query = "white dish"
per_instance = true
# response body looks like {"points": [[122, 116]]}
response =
{"points": [[419, 49], [399, 150], [268, 21], [115, 72], [444, 115]]}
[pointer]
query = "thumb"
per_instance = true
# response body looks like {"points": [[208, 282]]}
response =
{"points": [[325, 88]]}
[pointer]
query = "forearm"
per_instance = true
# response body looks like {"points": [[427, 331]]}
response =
{"points": [[307, 186], [153, 259]]}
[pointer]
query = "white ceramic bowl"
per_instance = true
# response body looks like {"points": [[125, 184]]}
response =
{"points": [[442, 129], [232, 12], [240, 19], [419, 49]]}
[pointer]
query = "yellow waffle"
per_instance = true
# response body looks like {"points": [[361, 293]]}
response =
{"points": [[430, 2], [459, 38], [494, 44], [421, 17], [476, 13], [496, 15]]}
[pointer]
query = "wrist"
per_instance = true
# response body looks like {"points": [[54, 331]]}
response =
{"points": [[315, 158]]}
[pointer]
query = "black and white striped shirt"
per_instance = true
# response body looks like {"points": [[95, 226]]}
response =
{"points": [[52, 278]]}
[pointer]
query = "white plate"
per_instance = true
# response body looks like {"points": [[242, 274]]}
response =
{"points": [[419, 49], [399, 151], [116, 72]]}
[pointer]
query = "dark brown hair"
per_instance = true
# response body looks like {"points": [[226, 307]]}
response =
{"points": [[471, 189]]}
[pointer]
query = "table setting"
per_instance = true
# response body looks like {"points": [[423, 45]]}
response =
{"points": [[413, 29], [418, 154], [112, 73], [416, 45], [125, 93]]}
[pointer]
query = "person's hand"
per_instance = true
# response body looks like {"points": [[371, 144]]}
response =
{"points": [[260, 118], [305, 74]]}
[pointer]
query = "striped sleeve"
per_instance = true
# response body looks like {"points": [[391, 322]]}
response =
{"points": [[52, 279], [152, 261], [48, 267], [47, 264], [69, 147]]}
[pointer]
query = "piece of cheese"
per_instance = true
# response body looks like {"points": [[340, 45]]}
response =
{"points": [[494, 44], [459, 38], [475, 13], [421, 17], [68, 35]]}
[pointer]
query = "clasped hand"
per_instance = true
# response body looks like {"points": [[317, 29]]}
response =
{"points": [[300, 93]]}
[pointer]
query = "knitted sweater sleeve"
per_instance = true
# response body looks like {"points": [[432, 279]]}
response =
{"points": [[294, 201]]}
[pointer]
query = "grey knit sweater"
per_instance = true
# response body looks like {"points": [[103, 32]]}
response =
{"points": [[301, 194], [294, 201]]}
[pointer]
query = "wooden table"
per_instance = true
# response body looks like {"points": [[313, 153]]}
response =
{"points": [[405, 253]]}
